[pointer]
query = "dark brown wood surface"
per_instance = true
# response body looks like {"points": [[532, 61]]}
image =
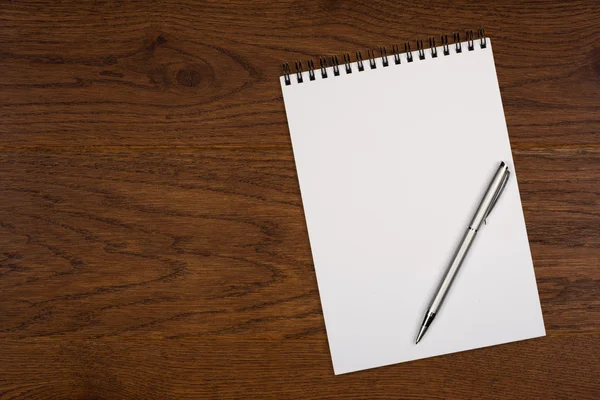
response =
{"points": [[153, 244]]}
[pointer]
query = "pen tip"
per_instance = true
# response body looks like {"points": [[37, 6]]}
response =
{"points": [[421, 333]]}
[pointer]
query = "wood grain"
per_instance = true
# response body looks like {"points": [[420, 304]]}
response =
{"points": [[153, 238], [272, 369]]}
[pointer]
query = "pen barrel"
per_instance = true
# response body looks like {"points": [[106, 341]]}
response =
{"points": [[451, 272]]}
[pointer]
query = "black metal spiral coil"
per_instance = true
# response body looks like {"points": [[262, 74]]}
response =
{"points": [[383, 54]]}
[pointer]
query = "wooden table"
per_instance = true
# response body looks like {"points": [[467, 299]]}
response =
{"points": [[153, 244]]}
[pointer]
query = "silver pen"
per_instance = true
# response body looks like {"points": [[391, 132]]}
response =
{"points": [[488, 202]]}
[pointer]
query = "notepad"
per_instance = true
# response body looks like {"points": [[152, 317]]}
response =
{"points": [[392, 161]]}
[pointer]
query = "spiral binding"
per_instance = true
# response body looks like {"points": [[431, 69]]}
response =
{"points": [[336, 65], [359, 61], [371, 54], [420, 49]]}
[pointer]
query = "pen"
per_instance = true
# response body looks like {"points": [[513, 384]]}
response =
{"points": [[488, 202]]}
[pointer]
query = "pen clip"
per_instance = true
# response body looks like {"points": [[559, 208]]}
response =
{"points": [[497, 196]]}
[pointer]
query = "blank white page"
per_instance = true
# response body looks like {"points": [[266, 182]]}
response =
{"points": [[392, 163]]}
